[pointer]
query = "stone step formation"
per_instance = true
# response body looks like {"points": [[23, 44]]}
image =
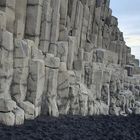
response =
{"points": [[60, 57]]}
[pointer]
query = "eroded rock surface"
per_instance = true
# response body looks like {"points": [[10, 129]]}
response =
{"points": [[61, 57]]}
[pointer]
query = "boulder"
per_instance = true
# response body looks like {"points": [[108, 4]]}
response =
{"points": [[7, 118], [29, 109], [7, 105], [19, 116]]}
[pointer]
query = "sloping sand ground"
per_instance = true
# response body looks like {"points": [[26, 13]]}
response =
{"points": [[75, 128]]}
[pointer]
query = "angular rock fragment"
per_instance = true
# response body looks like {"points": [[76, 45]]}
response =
{"points": [[19, 116], [36, 80], [29, 109], [7, 105], [7, 118]]}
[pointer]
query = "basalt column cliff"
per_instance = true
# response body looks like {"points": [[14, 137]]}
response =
{"points": [[64, 57]]}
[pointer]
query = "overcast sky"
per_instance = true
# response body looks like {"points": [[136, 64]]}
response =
{"points": [[128, 14]]}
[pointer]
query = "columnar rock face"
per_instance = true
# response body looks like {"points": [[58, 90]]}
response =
{"points": [[64, 57]]}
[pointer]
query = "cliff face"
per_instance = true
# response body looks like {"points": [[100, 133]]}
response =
{"points": [[64, 57]]}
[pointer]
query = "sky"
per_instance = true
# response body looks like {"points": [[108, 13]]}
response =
{"points": [[128, 14]]}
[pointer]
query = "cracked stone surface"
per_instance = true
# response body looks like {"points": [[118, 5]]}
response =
{"points": [[60, 57]]}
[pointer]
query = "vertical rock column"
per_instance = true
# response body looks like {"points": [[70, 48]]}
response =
{"points": [[97, 79], [55, 4], [21, 68], [71, 52], [33, 20], [97, 23], [49, 103], [92, 34], [22, 54], [63, 34], [76, 31], [85, 21], [8, 6], [113, 33], [7, 106], [120, 51], [46, 23], [20, 17], [106, 14], [124, 52], [36, 78], [6, 62], [78, 22], [63, 78], [2, 20]]}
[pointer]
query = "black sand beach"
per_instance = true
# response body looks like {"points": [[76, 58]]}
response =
{"points": [[75, 128]]}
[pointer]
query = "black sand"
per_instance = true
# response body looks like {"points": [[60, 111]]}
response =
{"points": [[75, 128]]}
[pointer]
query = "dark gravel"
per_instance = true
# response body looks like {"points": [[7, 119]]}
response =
{"points": [[75, 128]]}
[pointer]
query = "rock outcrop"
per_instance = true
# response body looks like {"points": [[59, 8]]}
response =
{"points": [[64, 57]]}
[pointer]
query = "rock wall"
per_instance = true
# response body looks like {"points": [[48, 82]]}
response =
{"points": [[62, 57]]}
